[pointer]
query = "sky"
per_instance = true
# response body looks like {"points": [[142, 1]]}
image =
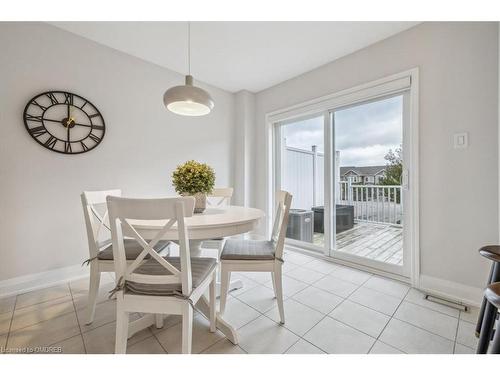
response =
{"points": [[363, 133]]}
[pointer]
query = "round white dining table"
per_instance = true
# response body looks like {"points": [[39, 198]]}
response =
{"points": [[214, 222]]}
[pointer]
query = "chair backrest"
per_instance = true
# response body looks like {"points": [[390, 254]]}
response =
{"points": [[284, 200], [95, 212], [122, 214], [220, 197]]}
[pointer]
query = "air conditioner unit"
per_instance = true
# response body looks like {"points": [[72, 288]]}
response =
{"points": [[300, 225]]}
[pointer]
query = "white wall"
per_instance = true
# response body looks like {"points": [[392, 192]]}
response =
{"points": [[243, 139], [41, 220], [458, 92]]}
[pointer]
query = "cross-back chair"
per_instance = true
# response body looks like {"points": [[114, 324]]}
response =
{"points": [[219, 198], [100, 245], [244, 255], [160, 285]]}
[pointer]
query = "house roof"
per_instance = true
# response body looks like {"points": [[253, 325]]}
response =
{"points": [[363, 171]]}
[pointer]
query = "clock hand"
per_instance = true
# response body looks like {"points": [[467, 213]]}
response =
{"points": [[59, 121]]}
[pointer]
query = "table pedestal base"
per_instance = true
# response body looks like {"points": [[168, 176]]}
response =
{"points": [[197, 251], [203, 307]]}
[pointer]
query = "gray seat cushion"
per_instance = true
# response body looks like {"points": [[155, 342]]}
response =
{"points": [[132, 249], [248, 250], [200, 269]]}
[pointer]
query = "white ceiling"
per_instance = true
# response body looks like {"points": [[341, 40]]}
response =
{"points": [[238, 55]]}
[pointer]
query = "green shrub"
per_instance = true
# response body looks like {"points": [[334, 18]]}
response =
{"points": [[193, 177]]}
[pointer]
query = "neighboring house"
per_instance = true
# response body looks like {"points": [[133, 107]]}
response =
{"points": [[362, 175]]}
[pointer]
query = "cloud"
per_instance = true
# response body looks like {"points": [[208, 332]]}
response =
{"points": [[363, 133], [365, 156]]}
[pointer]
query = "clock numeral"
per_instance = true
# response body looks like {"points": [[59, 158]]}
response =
{"points": [[34, 118], [38, 131], [68, 98], [67, 147], [51, 142], [84, 146], [94, 137], [98, 127], [94, 115], [43, 108], [52, 98]]}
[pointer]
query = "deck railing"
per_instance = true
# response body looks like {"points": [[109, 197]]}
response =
{"points": [[303, 177], [372, 203]]}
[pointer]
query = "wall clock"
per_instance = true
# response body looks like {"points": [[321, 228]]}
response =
{"points": [[64, 122]]}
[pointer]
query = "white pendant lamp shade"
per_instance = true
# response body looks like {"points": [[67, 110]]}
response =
{"points": [[188, 100]]}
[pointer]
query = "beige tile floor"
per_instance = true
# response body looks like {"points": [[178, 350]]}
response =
{"points": [[329, 309]]}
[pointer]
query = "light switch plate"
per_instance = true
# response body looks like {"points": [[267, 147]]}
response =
{"points": [[460, 140]]}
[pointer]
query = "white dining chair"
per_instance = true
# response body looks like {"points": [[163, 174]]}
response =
{"points": [[161, 285], [99, 241], [219, 198], [247, 255]]}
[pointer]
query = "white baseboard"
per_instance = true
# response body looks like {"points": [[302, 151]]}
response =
{"points": [[28, 283], [450, 290]]}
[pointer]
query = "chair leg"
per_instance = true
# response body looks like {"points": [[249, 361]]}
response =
{"points": [[224, 287], [94, 281], [121, 328], [490, 314], [495, 346], [493, 277], [159, 320], [279, 291], [187, 328], [274, 283], [213, 301]]}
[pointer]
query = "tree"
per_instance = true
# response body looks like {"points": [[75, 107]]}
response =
{"points": [[393, 172], [394, 167]]}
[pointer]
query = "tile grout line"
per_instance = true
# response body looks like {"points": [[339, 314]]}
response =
{"points": [[10, 324], [144, 339], [77, 320], [456, 334], [60, 316], [38, 290], [327, 315], [386, 324], [70, 296], [291, 297], [218, 341], [156, 338]]}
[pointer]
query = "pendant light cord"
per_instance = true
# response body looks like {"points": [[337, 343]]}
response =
{"points": [[189, 47]]}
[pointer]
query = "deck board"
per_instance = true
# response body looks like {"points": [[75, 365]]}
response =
{"points": [[381, 242]]}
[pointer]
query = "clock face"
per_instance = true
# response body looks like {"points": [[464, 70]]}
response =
{"points": [[64, 122]]}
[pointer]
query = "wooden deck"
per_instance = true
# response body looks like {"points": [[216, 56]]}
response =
{"points": [[381, 242]]}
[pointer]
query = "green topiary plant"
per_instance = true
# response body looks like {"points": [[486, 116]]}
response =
{"points": [[193, 178]]}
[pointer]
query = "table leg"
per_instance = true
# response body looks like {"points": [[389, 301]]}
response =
{"points": [[203, 307]]}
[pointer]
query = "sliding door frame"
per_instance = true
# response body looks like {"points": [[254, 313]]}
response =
{"points": [[326, 105]]}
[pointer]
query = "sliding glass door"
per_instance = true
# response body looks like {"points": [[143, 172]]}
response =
{"points": [[368, 170], [300, 163], [346, 168]]}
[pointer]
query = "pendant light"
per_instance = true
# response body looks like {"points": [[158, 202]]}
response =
{"points": [[188, 100]]}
